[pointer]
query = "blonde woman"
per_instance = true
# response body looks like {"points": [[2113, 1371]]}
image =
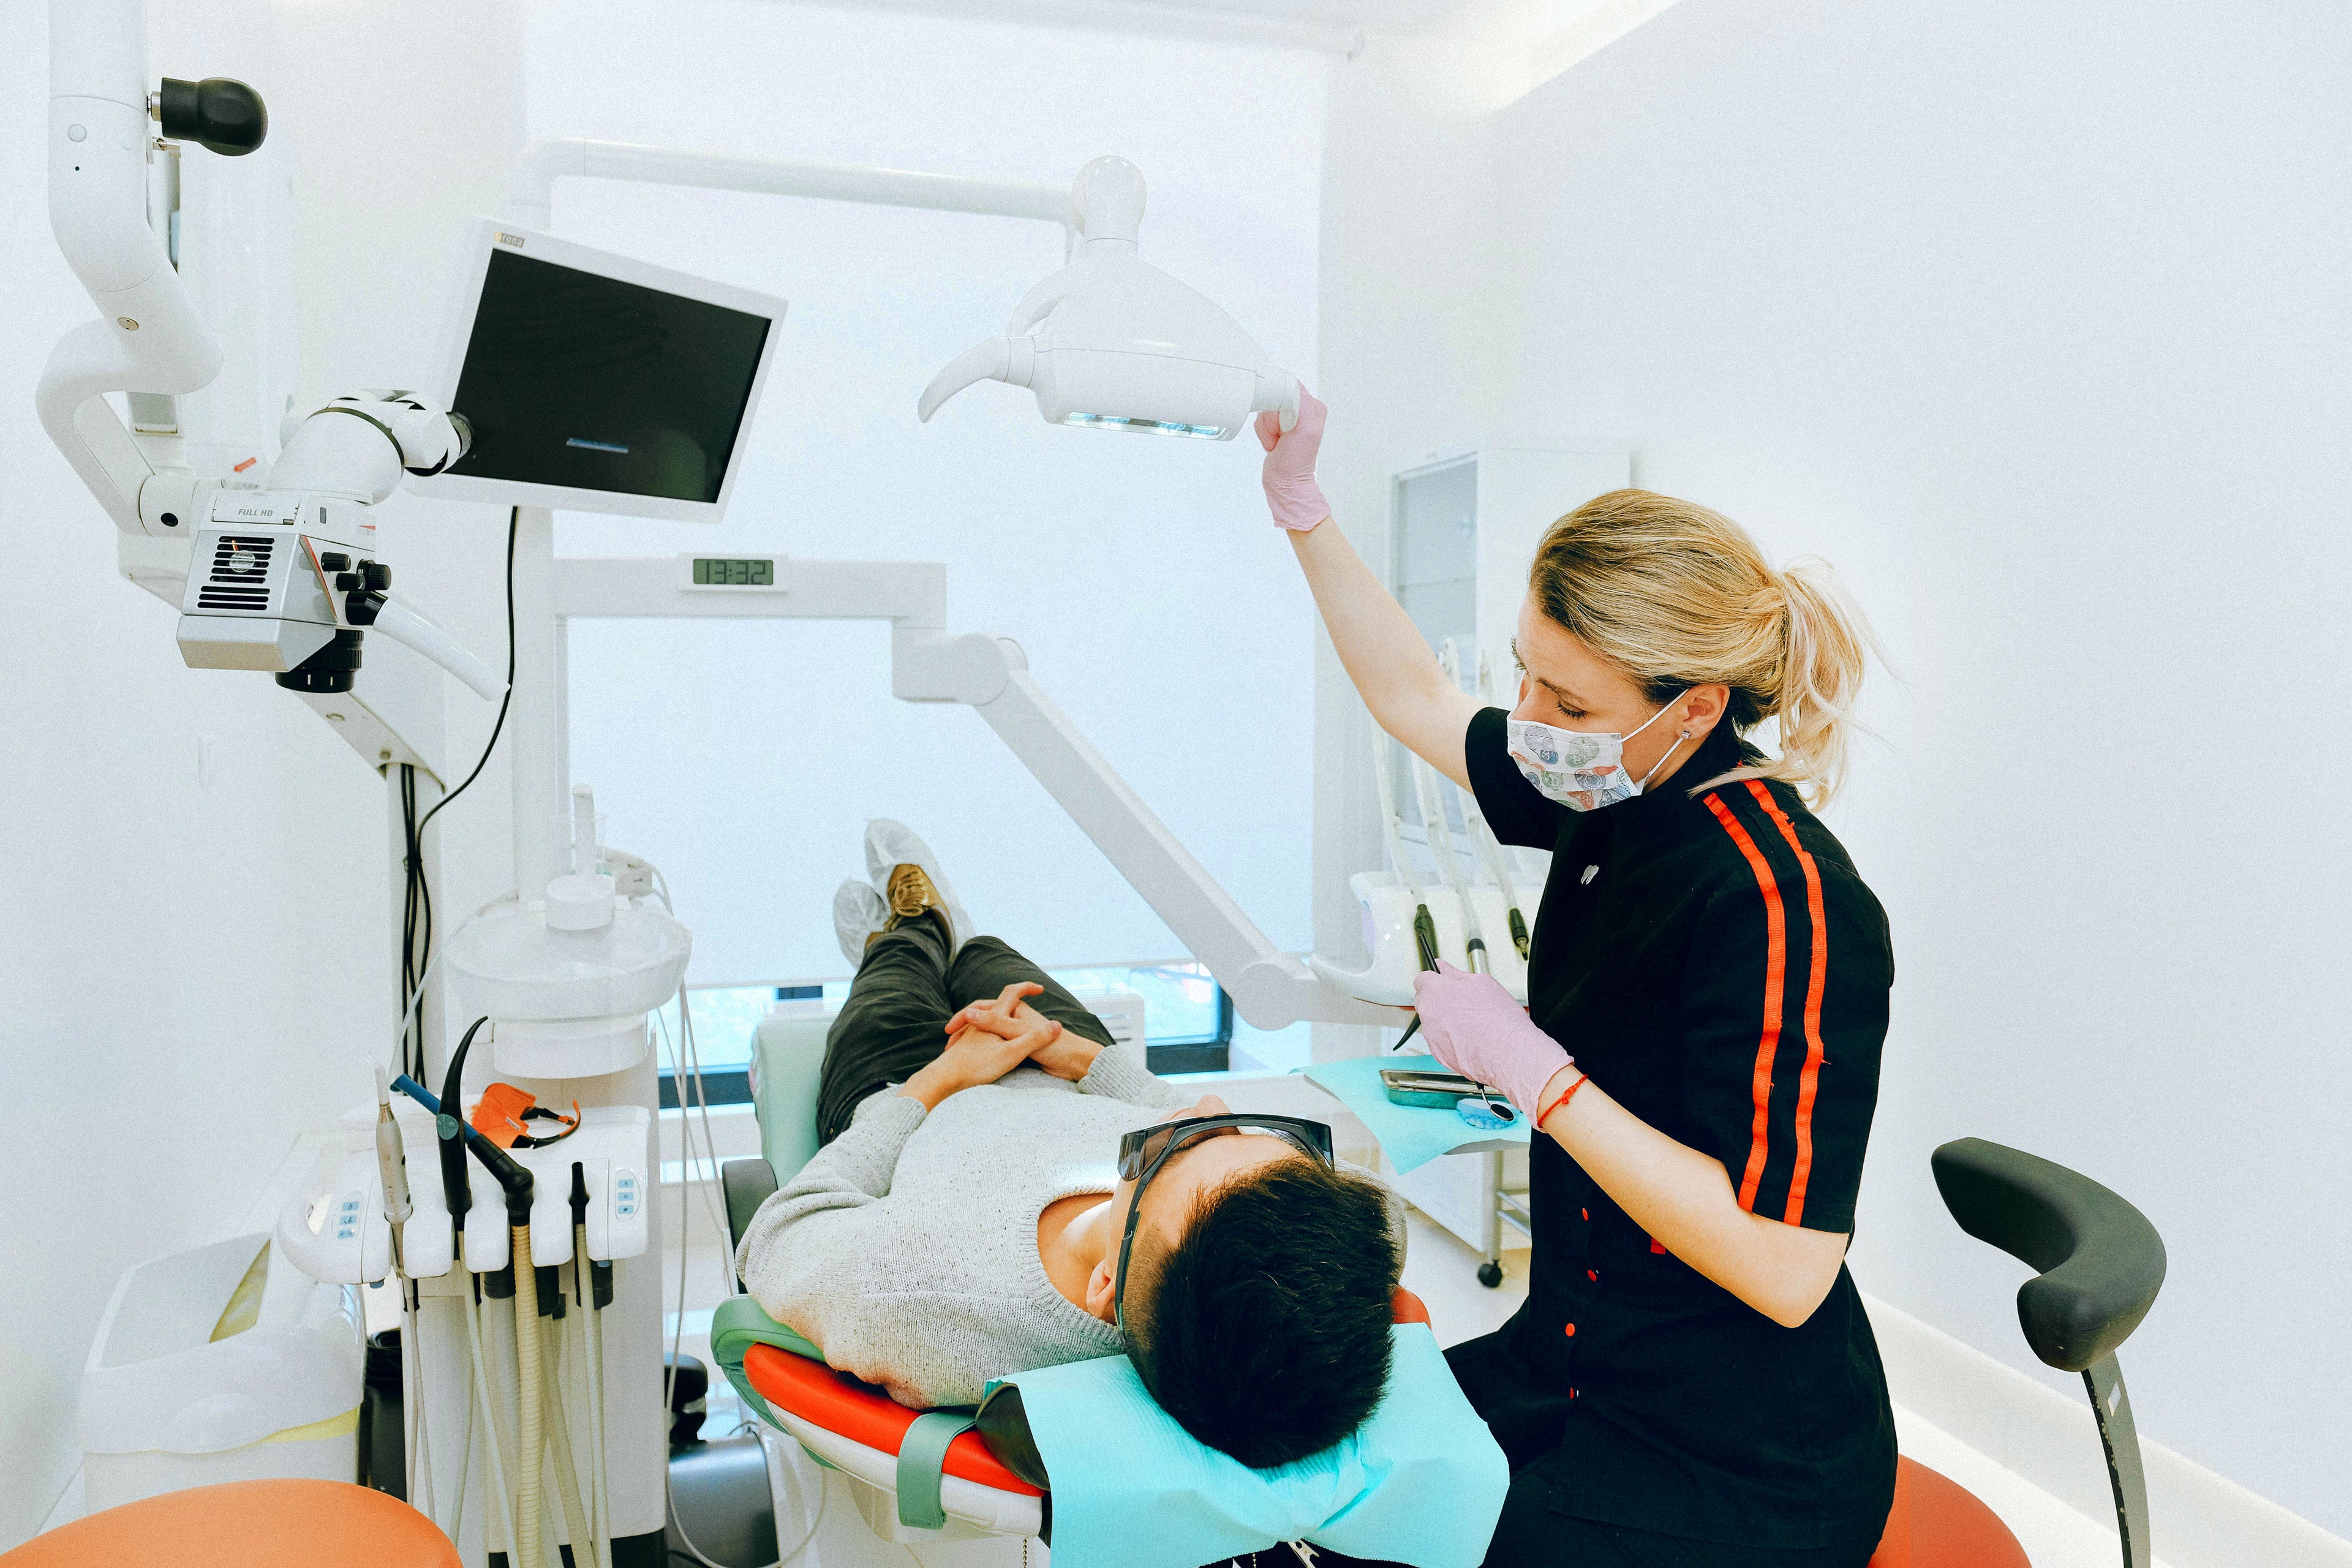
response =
{"points": [[1693, 1380]]}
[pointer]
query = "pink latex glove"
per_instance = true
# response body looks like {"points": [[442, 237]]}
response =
{"points": [[1473, 1026], [1291, 492]]}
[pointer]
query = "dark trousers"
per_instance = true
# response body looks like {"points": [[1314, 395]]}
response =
{"points": [[894, 1022], [1525, 1416]]}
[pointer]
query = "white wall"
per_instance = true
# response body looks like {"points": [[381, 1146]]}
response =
{"points": [[1405, 351], [744, 757], [192, 973], [2031, 318]]}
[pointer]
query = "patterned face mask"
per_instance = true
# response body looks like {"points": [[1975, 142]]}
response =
{"points": [[1583, 769]]}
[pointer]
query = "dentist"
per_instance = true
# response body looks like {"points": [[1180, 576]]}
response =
{"points": [[1693, 1380]]}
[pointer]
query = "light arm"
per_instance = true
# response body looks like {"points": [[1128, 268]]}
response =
{"points": [[1269, 987]]}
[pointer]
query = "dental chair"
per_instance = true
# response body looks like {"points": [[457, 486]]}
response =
{"points": [[2098, 1265], [917, 1476]]}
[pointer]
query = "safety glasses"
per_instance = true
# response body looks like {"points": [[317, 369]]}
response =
{"points": [[1145, 1152]]}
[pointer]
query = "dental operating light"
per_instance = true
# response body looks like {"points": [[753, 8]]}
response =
{"points": [[1111, 343]]}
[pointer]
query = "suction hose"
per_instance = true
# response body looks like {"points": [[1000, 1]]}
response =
{"points": [[529, 1374], [530, 1552]]}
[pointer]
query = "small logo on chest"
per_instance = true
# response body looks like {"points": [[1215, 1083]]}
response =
{"points": [[1590, 872]]}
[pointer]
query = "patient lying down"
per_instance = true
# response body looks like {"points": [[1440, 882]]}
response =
{"points": [[963, 1220]]}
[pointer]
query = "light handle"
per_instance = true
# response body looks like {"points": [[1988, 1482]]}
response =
{"points": [[421, 635], [1013, 360]]}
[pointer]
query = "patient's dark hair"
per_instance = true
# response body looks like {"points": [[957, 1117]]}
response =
{"points": [[1264, 1330]]}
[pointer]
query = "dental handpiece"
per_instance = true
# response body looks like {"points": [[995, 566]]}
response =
{"points": [[1490, 848], [392, 1165]]}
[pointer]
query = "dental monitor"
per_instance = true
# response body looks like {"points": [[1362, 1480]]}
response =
{"points": [[596, 382]]}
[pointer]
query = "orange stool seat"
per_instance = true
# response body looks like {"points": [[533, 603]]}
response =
{"points": [[1939, 1523], [246, 1524]]}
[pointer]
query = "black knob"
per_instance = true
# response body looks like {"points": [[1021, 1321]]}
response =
{"points": [[226, 116], [336, 561], [378, 574], [346, 581]]}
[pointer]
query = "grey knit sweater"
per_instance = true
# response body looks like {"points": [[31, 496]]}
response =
{"points": [[907, 1248]]}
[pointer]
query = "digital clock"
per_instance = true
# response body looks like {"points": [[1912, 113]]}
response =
{"points": [[755, 572]]}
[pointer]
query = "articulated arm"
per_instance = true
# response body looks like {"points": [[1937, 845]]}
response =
{"points": [[1270, 988], [148, 337]]}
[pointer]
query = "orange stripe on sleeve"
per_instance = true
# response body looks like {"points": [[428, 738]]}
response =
{"points": [[1775, 963], [1814, 986]]}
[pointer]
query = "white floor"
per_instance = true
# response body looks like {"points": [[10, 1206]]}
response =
{"points": [[1442, 1272]]}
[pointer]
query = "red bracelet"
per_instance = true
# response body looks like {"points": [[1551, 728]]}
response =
{"points": [[1565, 1096]]}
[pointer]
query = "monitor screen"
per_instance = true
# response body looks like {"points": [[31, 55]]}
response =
{"points": [[590, 383]]}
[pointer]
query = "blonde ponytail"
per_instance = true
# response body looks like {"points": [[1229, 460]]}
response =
{"points": [[1678, 595]]}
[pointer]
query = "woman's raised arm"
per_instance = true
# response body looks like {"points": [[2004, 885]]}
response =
{"points": [[1393, 665]]}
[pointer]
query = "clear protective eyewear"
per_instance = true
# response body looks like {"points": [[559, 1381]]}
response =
{"points": [[1143, 1152]]}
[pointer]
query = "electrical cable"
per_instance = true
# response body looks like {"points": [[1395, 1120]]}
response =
{"points": [[686, 1065], [464, 1462], [416, 923], [591, 1333], [490, 1431], [400, 1035], [514, 523]]}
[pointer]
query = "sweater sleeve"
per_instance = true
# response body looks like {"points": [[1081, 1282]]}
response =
{"points": [[1119, 1075], [822, 1207]]}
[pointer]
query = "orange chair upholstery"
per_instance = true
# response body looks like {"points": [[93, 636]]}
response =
{"points": [[246, 1524], [1939, 1523], [840, 1403]]}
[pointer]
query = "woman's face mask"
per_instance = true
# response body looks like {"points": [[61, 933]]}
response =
{"points": [[1583, 768]]}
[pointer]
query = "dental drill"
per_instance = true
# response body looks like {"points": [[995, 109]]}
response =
{"points": [[1490, 849], [1424, 926], [391, 1168]]}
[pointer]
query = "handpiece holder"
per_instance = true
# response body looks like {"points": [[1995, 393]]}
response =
{"points": [[510, 1174]]}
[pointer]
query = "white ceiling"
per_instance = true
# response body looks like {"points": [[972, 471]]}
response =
{"points": [[1329, 23]]}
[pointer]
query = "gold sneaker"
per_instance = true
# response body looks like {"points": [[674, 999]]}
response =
{"points": [[911, 896]]}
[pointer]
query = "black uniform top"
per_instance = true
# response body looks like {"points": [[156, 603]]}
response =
{"points": [[1717, 966]]}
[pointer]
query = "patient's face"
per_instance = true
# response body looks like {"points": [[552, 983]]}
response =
{"points": [[1199, 1167]]}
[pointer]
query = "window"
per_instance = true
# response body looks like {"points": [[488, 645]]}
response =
{"points": [[1188, 1017]]}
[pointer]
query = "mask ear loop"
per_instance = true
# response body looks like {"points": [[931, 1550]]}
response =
{"points": [[1677, 746]]}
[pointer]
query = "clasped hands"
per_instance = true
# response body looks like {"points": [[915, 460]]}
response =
{"points": [[988, 1039]]}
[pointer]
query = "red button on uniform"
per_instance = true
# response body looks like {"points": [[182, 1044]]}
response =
{"points": [[1571, 1393], [1593, 1274], [1584, 1213], [1572, 1330]]}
